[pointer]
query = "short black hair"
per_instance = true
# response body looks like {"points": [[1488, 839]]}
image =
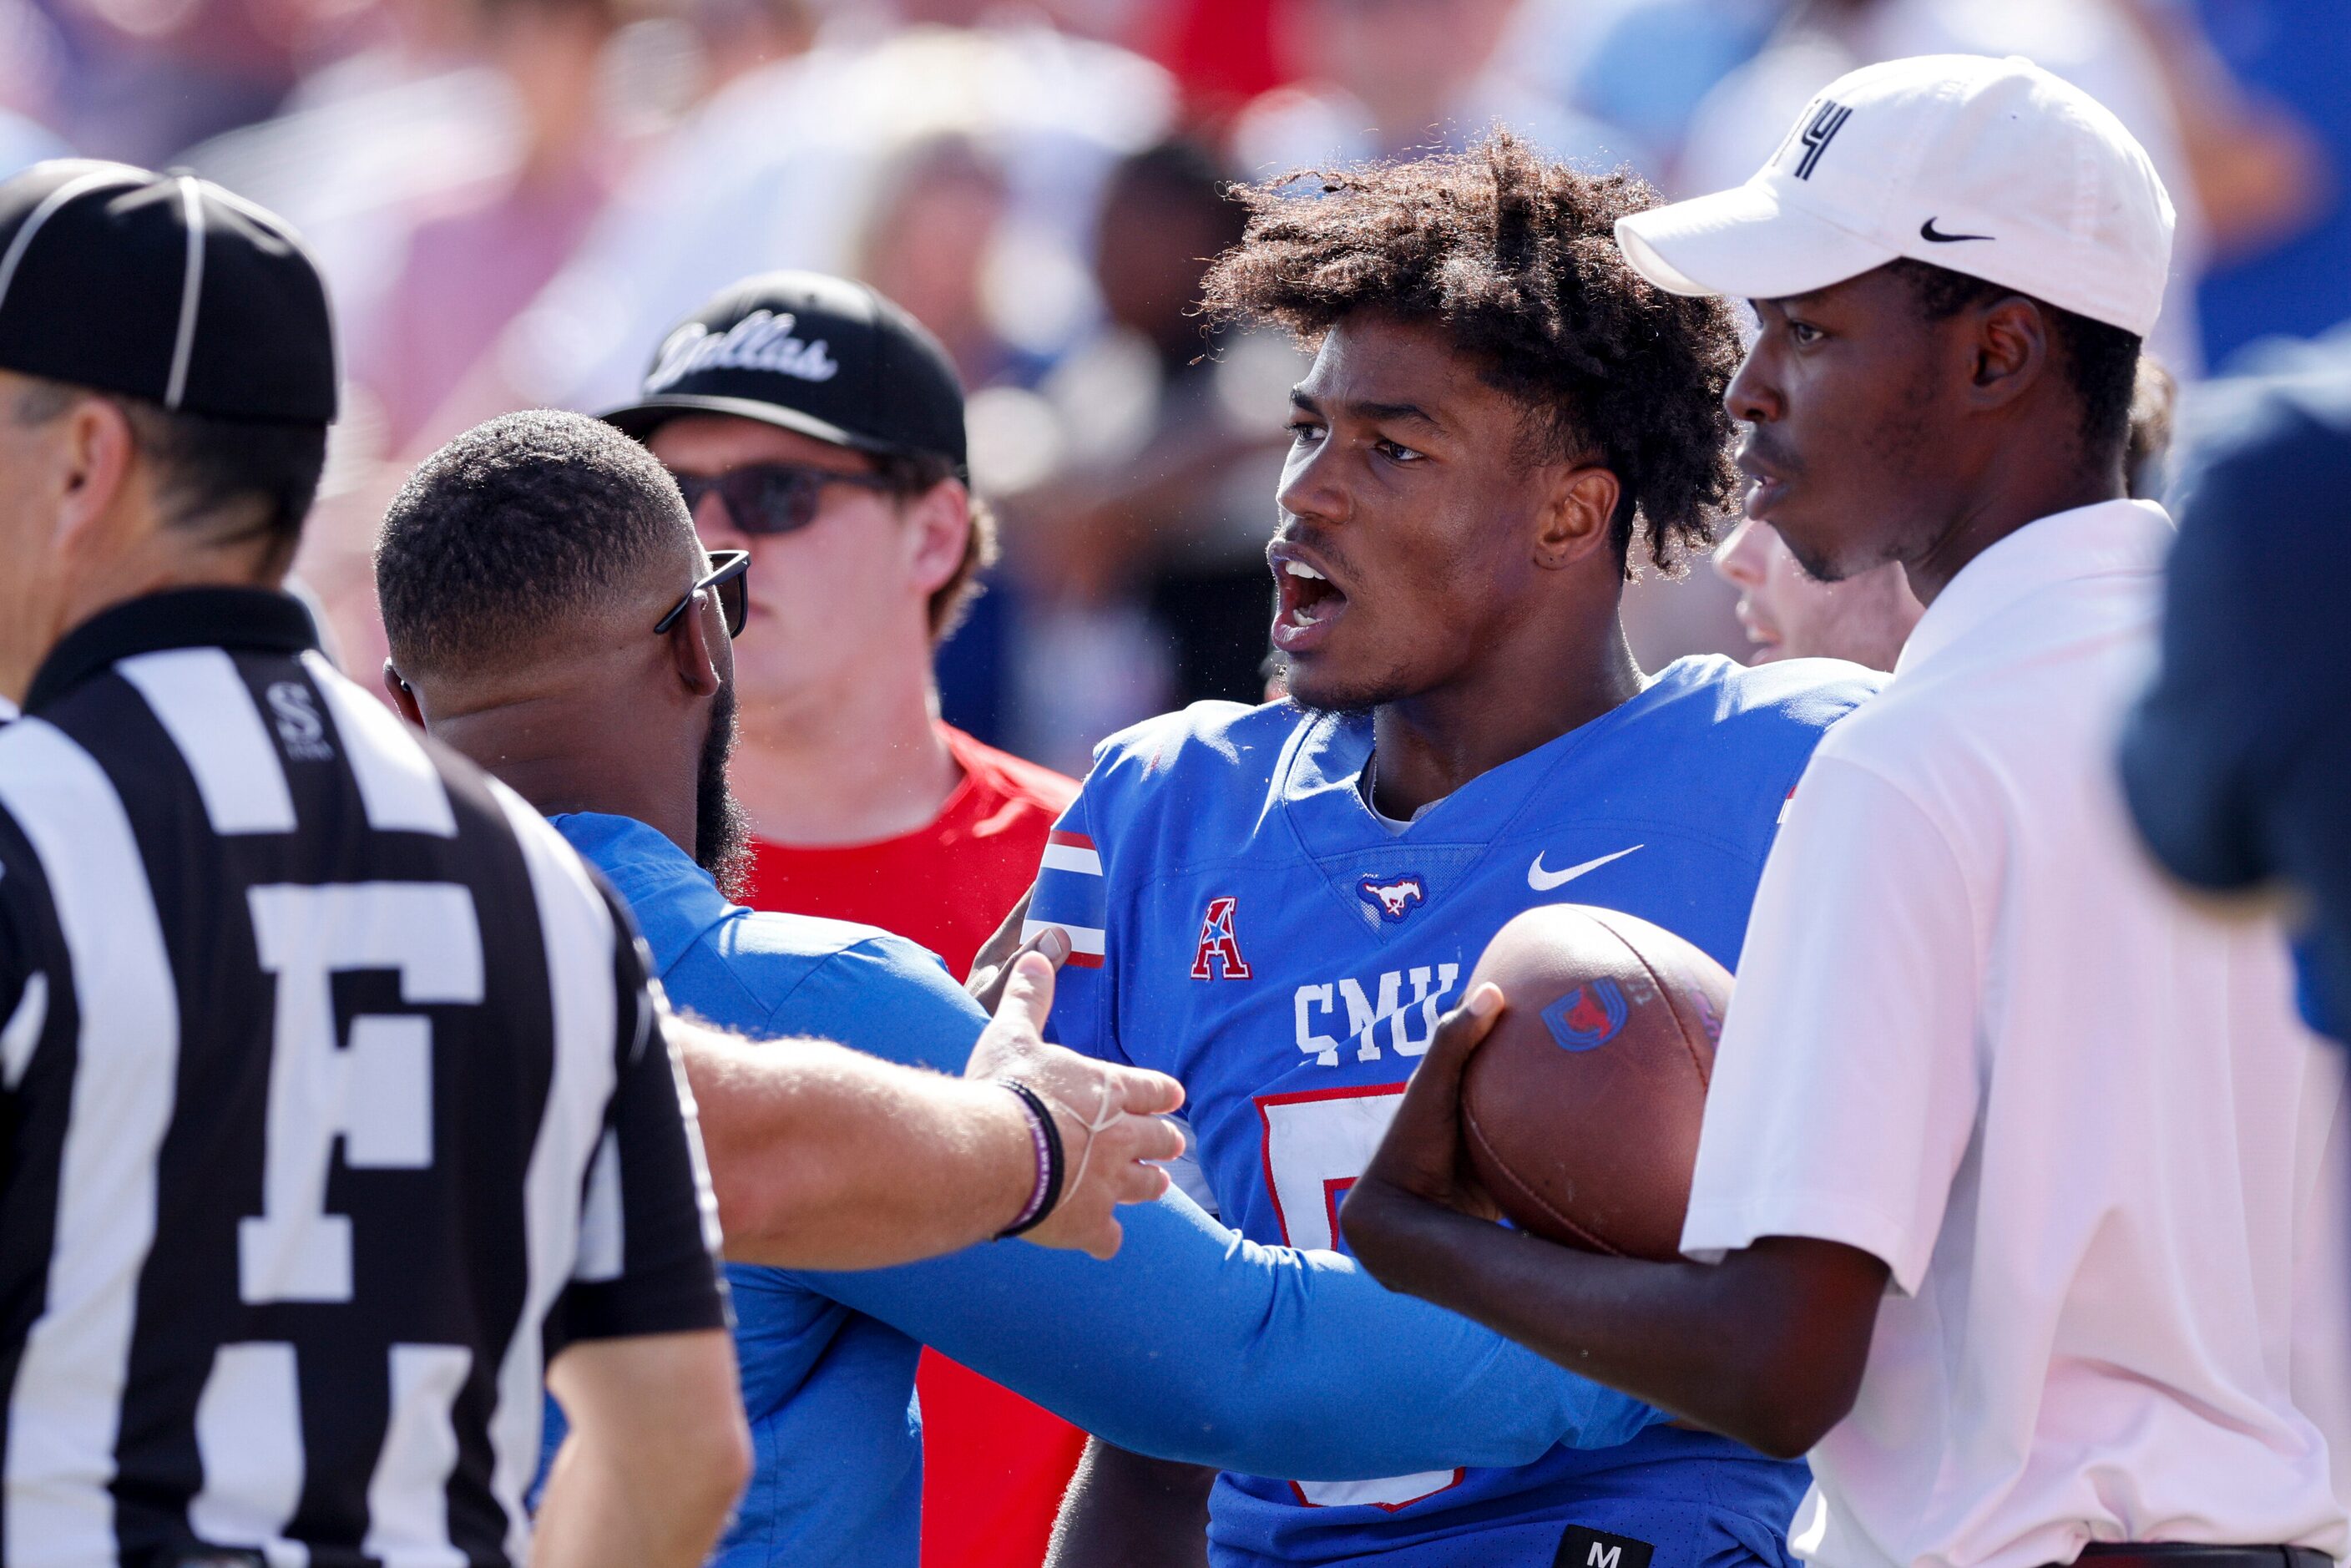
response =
{"points": [[207, 468], [2100, 362], [514, 524], [1516, 256]]}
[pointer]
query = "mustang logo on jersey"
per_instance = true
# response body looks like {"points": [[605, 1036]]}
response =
{"points": [[1395, 899], [1315, 1007], [1588, 1017], [1217, 942]]}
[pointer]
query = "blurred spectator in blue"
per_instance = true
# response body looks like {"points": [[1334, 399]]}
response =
{"points": [[2238, 763], [1643, 66], [142, 79], [1376, 78], [2299, 53]]}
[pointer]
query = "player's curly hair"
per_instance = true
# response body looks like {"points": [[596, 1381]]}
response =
{"points": [[1517, 257]]}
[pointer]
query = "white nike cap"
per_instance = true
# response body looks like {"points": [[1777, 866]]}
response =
{"points": [[1993, 168]]}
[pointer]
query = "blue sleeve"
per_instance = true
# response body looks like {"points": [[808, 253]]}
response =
{"points": [[887, 997], [1072, 894], [1194, 1343]]}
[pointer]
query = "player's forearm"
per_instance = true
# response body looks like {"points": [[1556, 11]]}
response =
{"points": [[825, 1158], [1123, 1511], [1767, 1348], [1280, 1362]]}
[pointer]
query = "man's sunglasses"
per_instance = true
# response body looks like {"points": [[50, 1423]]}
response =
{"points": [[765, 498], [724, 578]]}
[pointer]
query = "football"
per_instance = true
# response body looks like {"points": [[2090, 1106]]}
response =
{"points": [[1581, 1110]]}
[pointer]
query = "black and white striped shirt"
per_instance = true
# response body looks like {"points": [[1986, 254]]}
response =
{"points": [[333, 1102]]}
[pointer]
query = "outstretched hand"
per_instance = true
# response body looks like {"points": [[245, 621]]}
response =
{"points": [[1422, 1162], [992, 965], [1109, 1116]]}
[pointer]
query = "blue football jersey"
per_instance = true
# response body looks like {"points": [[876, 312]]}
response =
{"points": [[1243, 921]]}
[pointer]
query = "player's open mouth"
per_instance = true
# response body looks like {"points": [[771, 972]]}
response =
{"points": [[1765, 486], [1309, 604]]}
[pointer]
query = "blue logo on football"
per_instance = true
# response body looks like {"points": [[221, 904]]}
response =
{"points": [[1394, 898], [1588, 1017]]}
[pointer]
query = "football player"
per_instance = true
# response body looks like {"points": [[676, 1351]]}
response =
{"points": [[1275, 905]]}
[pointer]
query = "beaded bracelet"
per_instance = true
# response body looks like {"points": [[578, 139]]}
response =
{"points": [[1047, 1193]]}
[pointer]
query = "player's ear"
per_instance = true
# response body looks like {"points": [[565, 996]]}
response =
{"points": [[91, 453], [938, 529], [693, 648], [2009, 346], [1577, 520], [402, 695]]}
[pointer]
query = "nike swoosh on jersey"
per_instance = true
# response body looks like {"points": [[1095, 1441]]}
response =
{"points": [[1543, 881]]}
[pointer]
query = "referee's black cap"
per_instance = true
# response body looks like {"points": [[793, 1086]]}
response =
{"points": [[165, 287], [817, 355]]}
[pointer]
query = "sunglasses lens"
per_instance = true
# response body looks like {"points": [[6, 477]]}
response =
{"points": [[734, 602], [772, 500]]}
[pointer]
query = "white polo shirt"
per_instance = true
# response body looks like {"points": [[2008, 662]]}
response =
{"points": [[1976, 1035]]}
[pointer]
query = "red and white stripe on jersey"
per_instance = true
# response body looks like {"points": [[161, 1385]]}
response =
{"points": [[1070, 895]]}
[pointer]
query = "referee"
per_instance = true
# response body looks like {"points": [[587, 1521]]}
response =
{"points": [[333, 1106]]}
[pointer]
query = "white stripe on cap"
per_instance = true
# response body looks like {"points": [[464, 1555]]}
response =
{"points": [[51, 204], [65, 1407], [192, 290]]}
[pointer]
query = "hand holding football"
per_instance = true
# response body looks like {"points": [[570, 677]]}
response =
{"points": [[1581, 1111]]}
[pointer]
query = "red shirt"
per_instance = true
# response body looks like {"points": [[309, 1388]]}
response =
{"points": [[994, 1465]]}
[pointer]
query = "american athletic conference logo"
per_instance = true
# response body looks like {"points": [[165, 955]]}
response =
{"points": [[1220, 942], [1588, 1017]]}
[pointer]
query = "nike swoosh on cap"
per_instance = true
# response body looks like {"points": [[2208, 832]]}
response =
{"points": [[1543, 881], [1928, 231]]}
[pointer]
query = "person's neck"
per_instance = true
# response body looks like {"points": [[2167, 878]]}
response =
{"points": [[853, 766], [560, 757], [1431, 745], [2013, 496], [162, 564]]}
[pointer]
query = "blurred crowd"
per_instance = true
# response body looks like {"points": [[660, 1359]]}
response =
{"points": [[514, 200]]}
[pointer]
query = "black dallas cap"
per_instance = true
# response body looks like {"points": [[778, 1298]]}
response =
{"points": [[163, 286], [821, 355]]}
